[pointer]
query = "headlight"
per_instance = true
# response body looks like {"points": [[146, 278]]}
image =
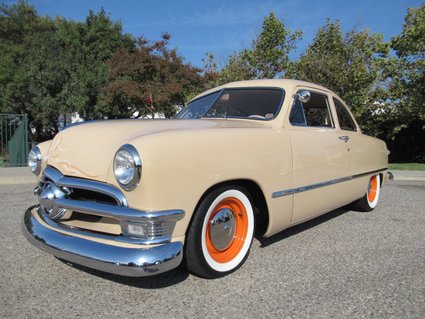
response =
{"points": [[127, 167], [34, 160]]}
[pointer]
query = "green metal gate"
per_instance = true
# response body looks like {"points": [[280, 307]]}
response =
{"points": [[13, 140]]}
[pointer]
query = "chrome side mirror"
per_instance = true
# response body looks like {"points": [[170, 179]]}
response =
{"points": [[304, 96]]}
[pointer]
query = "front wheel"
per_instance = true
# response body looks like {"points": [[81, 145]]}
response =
{"points": [[369, 201], [221, 233]]}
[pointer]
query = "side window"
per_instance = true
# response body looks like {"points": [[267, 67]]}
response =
{"points": [[344, 118], [314, 113]]}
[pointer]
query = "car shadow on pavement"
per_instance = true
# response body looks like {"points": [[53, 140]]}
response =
{"points": [[163, 280], [301, 227], [180, 274]]}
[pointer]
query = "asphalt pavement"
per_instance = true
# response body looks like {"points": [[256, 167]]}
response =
{"points": [[345, 264]]}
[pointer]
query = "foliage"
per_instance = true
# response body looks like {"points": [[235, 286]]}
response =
{"points": [[20, 27], [405, 119], [54, 68], [58, 65], [409, 74], [51, 68], [237, 68], [150, 79], [268, 57], [349, 64]]}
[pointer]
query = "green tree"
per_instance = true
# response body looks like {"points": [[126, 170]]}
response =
{"points": [[406, 93], [350, 65], [150, 79], [19, 27], [408, 75], [237, 68], [268, 56], [58, 65]]}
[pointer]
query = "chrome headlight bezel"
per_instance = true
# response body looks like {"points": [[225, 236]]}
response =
{"points": [[34, 160], [129, 152]]}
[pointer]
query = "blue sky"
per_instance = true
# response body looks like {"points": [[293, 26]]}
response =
{"points": [[223, 27]]}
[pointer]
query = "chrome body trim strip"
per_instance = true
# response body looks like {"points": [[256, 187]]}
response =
{"points": [[322, 184], [370, 173], [125, 261], [309, 187], [72, 182]]}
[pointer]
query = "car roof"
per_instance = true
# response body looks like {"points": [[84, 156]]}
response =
{"points": [[286, 84]]}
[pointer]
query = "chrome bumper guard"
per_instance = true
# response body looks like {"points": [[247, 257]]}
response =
{"points": [[125, 261]]}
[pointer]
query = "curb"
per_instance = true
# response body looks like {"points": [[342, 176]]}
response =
{"points": [[408, 175], [16, 175], [17, 180]]}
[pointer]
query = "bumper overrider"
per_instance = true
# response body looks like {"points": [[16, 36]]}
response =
{"points": [[128, 254]]}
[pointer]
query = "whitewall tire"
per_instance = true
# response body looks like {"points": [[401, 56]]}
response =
{"points": [[221, 233], [370, 200]]}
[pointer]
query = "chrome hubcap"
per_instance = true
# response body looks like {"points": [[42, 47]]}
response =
{"points": [[222, 230]]}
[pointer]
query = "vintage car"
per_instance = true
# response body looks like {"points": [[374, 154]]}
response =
{"points": [[136, 197]]}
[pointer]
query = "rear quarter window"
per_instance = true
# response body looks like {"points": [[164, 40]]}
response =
{"points": [[345, 120]]}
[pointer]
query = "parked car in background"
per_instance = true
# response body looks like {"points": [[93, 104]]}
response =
{"points": [[135, 197]]}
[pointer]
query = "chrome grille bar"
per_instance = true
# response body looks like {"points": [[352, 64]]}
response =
{"points": [[117, 212], [85, 184]]}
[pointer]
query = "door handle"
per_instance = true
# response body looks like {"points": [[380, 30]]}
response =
{"points": [[344, 138]]}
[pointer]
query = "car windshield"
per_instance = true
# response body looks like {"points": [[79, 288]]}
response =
{"points": [[257, 104]]}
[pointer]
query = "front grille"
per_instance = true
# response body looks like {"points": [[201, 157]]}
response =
{"points": [[100, 210], [86, 195], [54, 186]]}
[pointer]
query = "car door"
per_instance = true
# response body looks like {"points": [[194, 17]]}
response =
{"points": [[365, 153], [320, 156], [357, 143]]}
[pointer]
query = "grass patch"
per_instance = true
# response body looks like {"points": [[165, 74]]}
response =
{"points": [[408, 166]]}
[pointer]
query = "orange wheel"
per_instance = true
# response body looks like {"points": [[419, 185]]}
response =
{"points": [[221, 233], [372, 189], [369, 200], [227, 230]]}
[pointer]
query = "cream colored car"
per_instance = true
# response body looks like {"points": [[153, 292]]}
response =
{"points": [[135, 197]]}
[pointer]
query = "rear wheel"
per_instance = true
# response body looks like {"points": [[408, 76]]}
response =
{"points": [[369, 201], [221, 233]]}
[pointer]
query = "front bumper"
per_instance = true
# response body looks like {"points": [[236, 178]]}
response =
{"points": [[120, 260]]}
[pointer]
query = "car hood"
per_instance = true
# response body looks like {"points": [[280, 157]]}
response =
{"points": [[87, 150]]}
